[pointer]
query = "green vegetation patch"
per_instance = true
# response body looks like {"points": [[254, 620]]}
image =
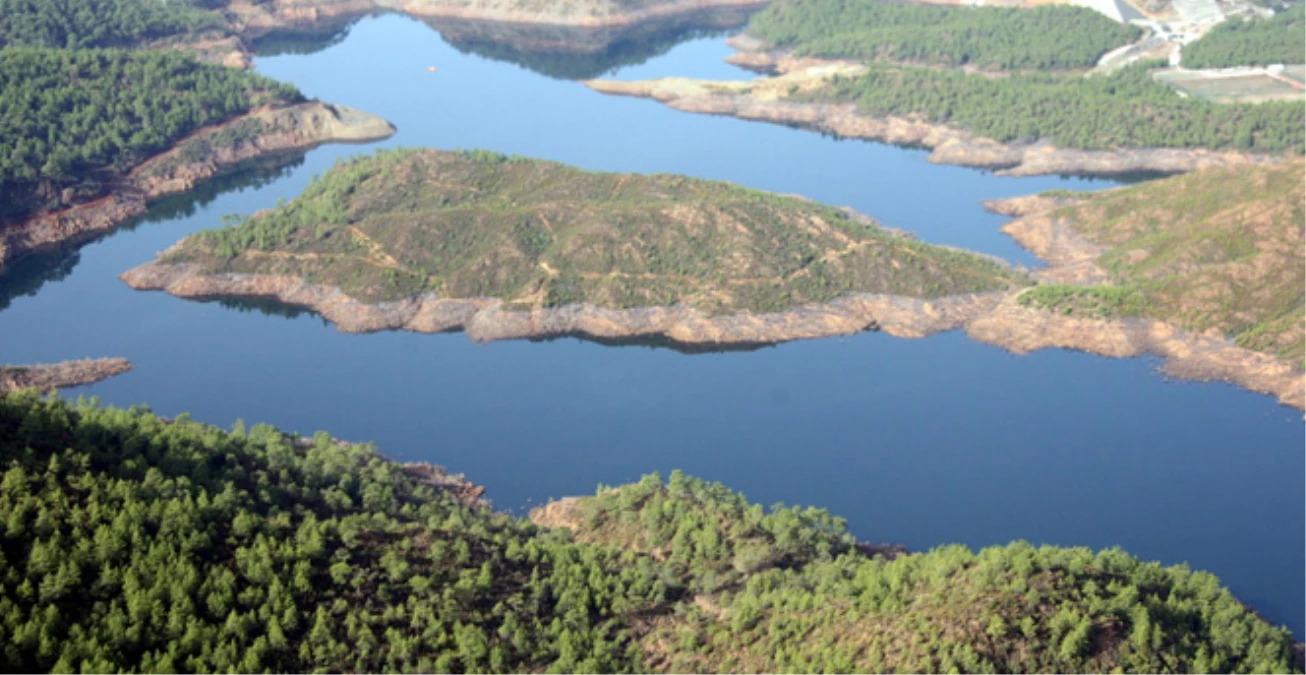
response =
{"points": [[1127, 109], [137, 544], [1214, 249], [1094, 302], [1006, 38], [1252, 42], [73, 121], [535, 233], [80, 24]]}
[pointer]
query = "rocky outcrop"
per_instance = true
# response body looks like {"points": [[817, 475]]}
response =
{"points": [[48, 376], [557, 513], [487, 319], [203, 155], [455, 484], [768, 100]]}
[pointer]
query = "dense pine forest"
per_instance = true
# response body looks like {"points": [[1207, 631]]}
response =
{"points": [[73, 120], [1009, 38], [1096, 112], [1252, 42], [78, 24], [134, 543]]}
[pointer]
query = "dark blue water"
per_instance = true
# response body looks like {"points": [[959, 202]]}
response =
{"points": [[921, 442]]}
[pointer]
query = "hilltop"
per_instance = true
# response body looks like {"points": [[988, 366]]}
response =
{"points": [[462, 235], [134, 543]]}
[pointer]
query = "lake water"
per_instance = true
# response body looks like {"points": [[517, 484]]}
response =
{"points": [[920, 442]]}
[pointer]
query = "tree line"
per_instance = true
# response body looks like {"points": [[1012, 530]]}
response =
{"points": [[80, 24], [1252, 42], [1127, 109], [1006, 38]]}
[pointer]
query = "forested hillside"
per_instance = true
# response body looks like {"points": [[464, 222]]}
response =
{"points": [[1008, 38], [1127, 109], [1254, 42], [72, 121], [133, 543], [78, 24]]}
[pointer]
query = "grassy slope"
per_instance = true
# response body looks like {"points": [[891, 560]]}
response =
{"points": [[989, 38], [131, 543], [543, 234], [1215, 249]]}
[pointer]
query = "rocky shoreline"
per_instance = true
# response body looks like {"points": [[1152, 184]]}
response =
{"points": [[487, 319], [49, 376], [767, 100], [287, 129]]}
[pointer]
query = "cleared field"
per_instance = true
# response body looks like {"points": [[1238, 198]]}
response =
{"points": [[1249, 85]]}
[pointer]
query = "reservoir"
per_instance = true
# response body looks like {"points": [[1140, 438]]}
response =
{"points": [[918, 442]]}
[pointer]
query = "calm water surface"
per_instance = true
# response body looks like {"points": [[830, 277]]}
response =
{"points": [[921, 442]]}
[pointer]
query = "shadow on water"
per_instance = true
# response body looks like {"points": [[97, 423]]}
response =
{"points": [[559, 52], [26, 276], [659, 342], [269, 307]]}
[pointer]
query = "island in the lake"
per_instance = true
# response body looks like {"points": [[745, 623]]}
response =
{"points": [[1000, 88], [50, 376], [90, 137], [506, 247], [137, 544], [1197, 268]]}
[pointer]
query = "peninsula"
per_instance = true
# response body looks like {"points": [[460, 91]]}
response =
{"points": [[49, 376], [1204, 269], [506, 247], [82, 158], [936, 77], [287, 554]]}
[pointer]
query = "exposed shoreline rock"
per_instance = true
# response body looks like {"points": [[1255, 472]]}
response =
{"points": [[766, 100], [48, 376], [486, 319], [287, 129]]}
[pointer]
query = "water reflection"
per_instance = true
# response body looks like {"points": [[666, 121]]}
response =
{"points": [[28, 275], [559, 52]]}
